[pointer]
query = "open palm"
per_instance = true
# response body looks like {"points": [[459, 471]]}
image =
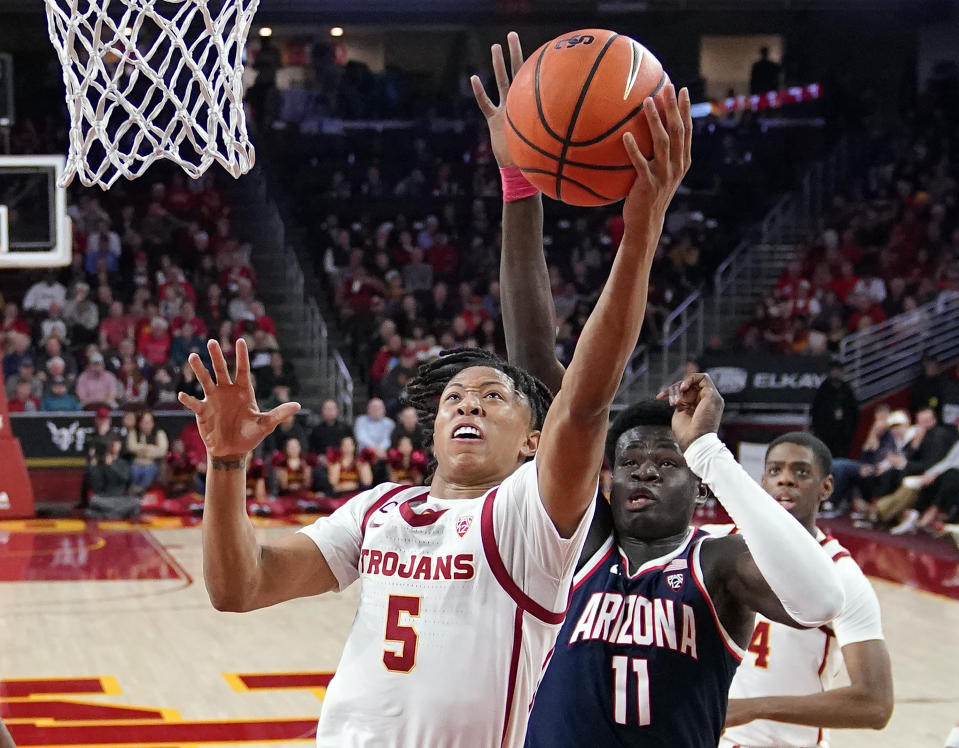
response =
{"points": [[229, 421], [496, 113]]}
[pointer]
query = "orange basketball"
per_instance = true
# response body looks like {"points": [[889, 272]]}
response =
{"points": [[568, 108]]}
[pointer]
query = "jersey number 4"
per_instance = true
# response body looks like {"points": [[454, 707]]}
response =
{"points": [[622, 666], [759, 644], [403, 658]]}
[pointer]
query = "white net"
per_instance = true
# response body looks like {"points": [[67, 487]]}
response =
{"points": [[150, 79]]}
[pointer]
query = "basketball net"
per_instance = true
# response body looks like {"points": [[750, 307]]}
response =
{"points": [[150, 79]]}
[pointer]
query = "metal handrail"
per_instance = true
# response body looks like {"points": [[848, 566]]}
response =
{"points": [[315, 335], [746, 271], [689, 320], [343, 385], [887, 355]]}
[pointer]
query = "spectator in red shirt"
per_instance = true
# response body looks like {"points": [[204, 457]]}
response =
{"points": [[787, 287], [355, 294], [846, 282], [179, 199], [145, 319], [188, 314], [13, 321], [176, 279], [235, 269], [443, 257], [23, 400], [473, 313], [259, 320], [384, 360], [154, 342], [804, 304], [117, 326]]}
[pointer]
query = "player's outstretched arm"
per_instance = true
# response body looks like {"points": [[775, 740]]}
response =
{"points": [[866, 703], [239, 573], [571, 446], [774, 566], [529, 317]]}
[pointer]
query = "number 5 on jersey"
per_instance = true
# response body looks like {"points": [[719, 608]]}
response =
{"points": [[404, 658]]}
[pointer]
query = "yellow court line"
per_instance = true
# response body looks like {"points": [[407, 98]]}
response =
{"points": [[236, 682], [114, 524], [43, 525], [56, 462], [110, 685]]}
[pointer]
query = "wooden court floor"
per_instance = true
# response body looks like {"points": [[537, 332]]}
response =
{"points": [[107, 638]]}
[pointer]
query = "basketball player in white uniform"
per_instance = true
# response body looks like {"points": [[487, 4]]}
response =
{"points": [[464, 584], [784, 693]]}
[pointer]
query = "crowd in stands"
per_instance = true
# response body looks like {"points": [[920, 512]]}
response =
{"points": [[404, 225], [156, 271], [889, 243], [906, 478], [154, 275], [405, 232]]}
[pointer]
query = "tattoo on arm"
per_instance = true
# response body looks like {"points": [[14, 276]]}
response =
{"points": [[219, 464]]}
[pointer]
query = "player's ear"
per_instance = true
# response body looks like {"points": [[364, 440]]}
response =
{"points": [[702, 493], [825, 490], [530, 445]]}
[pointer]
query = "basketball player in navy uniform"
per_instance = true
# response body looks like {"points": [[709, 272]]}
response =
{"points": [[660, 614]]}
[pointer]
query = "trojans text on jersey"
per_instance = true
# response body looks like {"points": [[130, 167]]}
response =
{"points": [[457, 567]]}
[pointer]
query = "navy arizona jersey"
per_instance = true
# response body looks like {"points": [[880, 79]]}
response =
{"points": [[642, 659]]}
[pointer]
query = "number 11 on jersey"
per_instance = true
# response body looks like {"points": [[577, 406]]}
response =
{"points": [[621, 672]]}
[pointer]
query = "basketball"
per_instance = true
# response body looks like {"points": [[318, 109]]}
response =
{"points": [[568, 108]]}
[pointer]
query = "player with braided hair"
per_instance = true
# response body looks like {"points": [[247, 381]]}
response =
{"points": [[423, 392], [466, 582]]}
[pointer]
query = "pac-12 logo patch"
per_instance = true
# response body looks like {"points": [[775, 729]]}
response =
{"points": [[675, 581], [463, 525]]}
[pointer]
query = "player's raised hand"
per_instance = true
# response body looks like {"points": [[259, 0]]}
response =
{"points": [[228, 418], [699, 407], [496, 113], [657, 179]]}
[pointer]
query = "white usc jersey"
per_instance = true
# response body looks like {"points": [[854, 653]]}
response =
{"points": [[785, 661], [460, 605]]}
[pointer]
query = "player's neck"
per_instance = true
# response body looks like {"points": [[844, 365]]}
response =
{"points": [[441, 488], [639, 551]]}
